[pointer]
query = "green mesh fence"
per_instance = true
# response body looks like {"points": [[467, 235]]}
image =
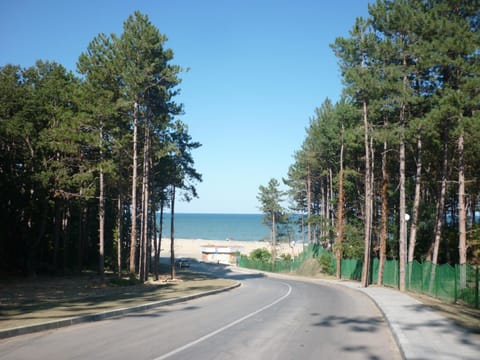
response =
{"points": [[445, 282], [467, 284], [351, 269], [390, 273]]}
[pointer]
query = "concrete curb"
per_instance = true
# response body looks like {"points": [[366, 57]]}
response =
{"points": [[28, 329]]}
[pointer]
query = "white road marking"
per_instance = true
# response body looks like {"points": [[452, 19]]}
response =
{"points": [[223, 328]]}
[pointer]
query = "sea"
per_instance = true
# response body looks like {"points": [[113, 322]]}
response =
{"points": [[243, 227]]}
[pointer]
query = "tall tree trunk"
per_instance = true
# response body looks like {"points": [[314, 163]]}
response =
{"points": [[440, 216], [133, 234], [403, 222], [120, 229], [340, 205], [323, 213], [462, 213], [416, 203], [145, 196], [384, 218], [274, 241], [368, 207], [151, 236], [309, 204], [158, 240], [441, 206], [155, 241], [330, 204], [402, 252], [172, 234], [101, 215]]}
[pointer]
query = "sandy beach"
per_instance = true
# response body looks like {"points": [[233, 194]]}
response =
{"points": [[192, 248]]}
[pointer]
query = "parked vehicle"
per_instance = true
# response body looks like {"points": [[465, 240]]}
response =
{"points": [[182, 263]]}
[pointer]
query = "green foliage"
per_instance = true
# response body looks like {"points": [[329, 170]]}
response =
{"points": [[414, 65], [261, 255], [58, 133], [326, 265], [286, 257], [270, 198], [353, 246]]}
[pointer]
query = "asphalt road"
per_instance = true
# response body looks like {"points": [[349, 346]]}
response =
{"points": [[265, 318]]}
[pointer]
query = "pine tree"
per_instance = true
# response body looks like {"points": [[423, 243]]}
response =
{"points": [[270, 198]]}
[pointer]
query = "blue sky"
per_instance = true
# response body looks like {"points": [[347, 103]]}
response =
{"points": [[257, 71]]}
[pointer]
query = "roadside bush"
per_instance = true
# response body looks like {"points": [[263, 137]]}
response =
{"points": [[286, 257], [326, 266], [261, 255]]}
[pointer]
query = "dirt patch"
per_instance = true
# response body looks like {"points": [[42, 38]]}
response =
{"points": [[312, 268]]}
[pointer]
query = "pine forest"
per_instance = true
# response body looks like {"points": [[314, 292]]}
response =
{"points": [[391, 170]]}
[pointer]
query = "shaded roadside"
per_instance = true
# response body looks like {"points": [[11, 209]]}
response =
{"points": [[27, 302]]}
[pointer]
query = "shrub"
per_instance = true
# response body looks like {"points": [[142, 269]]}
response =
{"points": [[261, 255], [325, 261]]}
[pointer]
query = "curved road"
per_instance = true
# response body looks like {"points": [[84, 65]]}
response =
{"points": [[265, 318]]}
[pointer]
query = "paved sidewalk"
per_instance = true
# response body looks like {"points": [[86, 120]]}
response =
{"points": [[421, 332]]}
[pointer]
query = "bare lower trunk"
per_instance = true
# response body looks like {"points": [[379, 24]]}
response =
{"points": [[323, 214], [133, 234], [368, 208], [101, 215], [416, 203], [330, 204], [339, 238], [156, 245], [172, 235], [462, 215], [309, 205], [462, 212], [440, 215], [160, 234], [384, 219], [145, 200], [340, 204], [274, 242], [403, 221], [101, 225], [441, 207], [120, 231]]}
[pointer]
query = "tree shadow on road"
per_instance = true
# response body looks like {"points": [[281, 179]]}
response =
{"points": [[359, 324]]}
